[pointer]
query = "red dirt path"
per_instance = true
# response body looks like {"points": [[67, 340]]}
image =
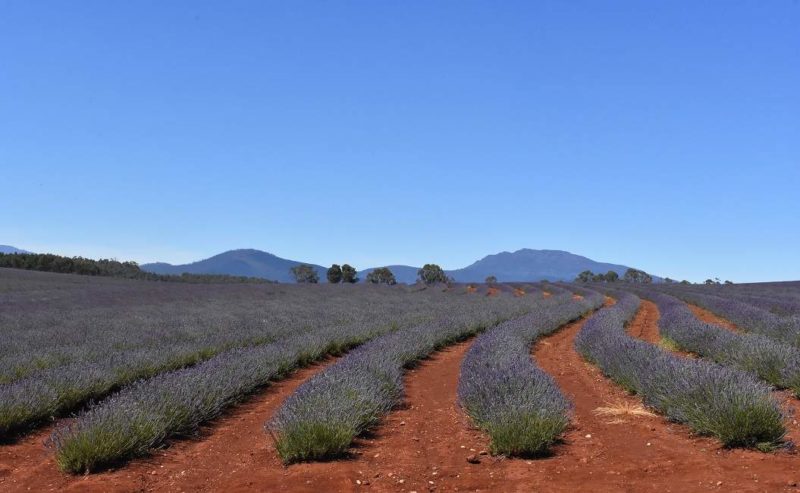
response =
{"points": [[419, 447], [708, 317], [645, 324]]}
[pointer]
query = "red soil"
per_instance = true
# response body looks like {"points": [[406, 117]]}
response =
{"points": [[645, 324], [424, 445], [519, 292], [492, 292], [708, 317]]}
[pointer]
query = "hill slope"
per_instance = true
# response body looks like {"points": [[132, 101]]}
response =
{"points": [[245, 262], [11, 249], [532, 265]]}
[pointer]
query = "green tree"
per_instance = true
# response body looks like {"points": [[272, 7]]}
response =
{"points": [[668, 280], [638, 276], [304, 273], [728, 282], [598, 277], [491, 279], [381, 275], [708, 281], [431, 274], [584, 276], [334, 274], [349, 274], [685, 282], [611, 276]]}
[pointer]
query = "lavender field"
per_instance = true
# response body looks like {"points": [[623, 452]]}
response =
{"points": [[104, 371]]}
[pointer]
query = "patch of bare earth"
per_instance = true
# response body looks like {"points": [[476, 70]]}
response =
{"points": [[709, 318]]}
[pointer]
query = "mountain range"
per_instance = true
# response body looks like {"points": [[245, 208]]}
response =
{"points": [[522, 265]]}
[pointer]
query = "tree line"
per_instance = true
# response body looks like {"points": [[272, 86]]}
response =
{"points": [[631, 275], [305, 273], [48, 262]]}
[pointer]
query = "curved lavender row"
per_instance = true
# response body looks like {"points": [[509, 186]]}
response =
{"points": [[777, 363], [748, 317], [327, 412], [726, 403], [56, 390], [505, 393], [782, 299], [768, 300]]}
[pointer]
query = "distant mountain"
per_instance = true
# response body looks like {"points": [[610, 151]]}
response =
{"points": [[11, 249], [522, 265], [248, 262], [402, 273], [532, 265]]}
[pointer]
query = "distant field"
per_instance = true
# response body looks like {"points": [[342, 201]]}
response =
{"points": [[216, 387]]}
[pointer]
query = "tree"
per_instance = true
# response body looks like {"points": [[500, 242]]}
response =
{"points": [[431, 274], [334, 274], [611, 276], [598, 277], [491, 280], [685, 282], [668, 280], [584, 276], [304, 273], [639, 276], [709, 281], [381, 275], [728, 282], [349, 274]]}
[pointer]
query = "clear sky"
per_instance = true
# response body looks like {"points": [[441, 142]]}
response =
{"points": [[663, 135]]}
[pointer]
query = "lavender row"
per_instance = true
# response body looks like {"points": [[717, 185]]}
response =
{"points": [[781, 298], [327, 412], [147, 413], [500, 387], [772, 361], [748, 317], [729, 404]]}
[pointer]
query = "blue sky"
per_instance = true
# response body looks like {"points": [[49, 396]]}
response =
{"points": [[664, 135]]}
